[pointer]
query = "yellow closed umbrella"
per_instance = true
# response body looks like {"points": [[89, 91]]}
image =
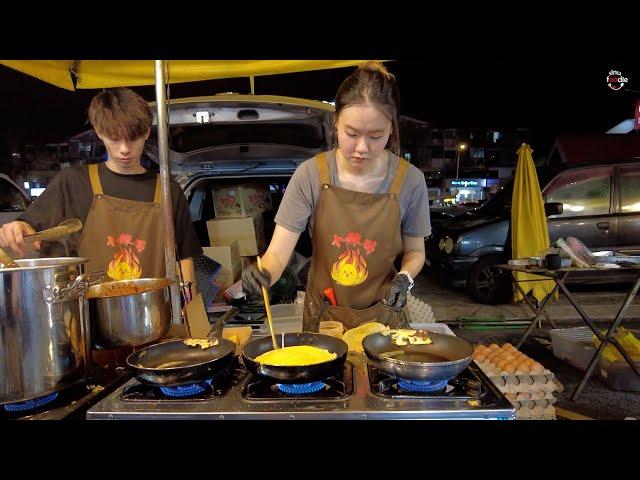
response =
{"points": [[529, 233]]}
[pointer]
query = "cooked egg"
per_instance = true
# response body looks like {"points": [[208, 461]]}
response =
{"points": [[296, 356], [203, 343]]}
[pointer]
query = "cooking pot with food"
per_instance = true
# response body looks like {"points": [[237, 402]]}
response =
{"points": [[43, 331], [129, 313]]}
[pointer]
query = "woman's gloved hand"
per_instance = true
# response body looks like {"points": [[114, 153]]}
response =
{"points": [[253, 280], [396, 297]]}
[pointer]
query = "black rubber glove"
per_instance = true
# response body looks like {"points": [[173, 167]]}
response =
{"points": [[253, 280], [396, 297]]}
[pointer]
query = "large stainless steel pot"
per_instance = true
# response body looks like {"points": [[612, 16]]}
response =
{"points": [[43, 336], [129, 313]]}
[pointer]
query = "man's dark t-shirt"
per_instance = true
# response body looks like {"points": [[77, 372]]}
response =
{"points": [[69, 195]]}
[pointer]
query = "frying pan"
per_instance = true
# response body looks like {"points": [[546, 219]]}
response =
{"points": [[291, 374], [173, 363], [441, 360]]}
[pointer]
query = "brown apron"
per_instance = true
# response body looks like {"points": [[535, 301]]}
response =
{"points": [[356, 239], [125, 238]]}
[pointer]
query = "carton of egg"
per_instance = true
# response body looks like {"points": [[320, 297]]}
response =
{"points": [[526, 383]]}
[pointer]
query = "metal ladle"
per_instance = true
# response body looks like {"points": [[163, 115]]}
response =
{"points": [[63, 229]]}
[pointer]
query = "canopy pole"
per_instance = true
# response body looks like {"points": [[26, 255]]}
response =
{"points": [[167, 209], [253, 86]]}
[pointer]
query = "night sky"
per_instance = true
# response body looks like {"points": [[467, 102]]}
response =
{"points": [[548, 97]]}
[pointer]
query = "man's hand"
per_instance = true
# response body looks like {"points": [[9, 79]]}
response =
{"points": [[253, 280], [12, 236], [396, 297]]}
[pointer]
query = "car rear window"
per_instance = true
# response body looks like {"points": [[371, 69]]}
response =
{"points": [[196, 137]]}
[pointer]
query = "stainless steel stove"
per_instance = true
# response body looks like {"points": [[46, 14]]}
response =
{"points": [[358, 391], [71, 403]]}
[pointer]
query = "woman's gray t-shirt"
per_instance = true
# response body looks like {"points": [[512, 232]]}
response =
{"points": [[303, 191]]}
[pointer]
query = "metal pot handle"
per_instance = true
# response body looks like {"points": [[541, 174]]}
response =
{"points": [[55, 294]]}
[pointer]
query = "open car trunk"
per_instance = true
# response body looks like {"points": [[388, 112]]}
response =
{"points": [[230, 139]]}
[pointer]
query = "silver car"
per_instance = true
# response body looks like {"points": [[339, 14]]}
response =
{"points": [[13, 200], [598, 204]]}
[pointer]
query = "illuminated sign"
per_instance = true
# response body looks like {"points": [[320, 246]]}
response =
{"points": [[615, 80], [465, 183]]}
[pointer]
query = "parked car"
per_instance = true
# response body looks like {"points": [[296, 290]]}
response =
{"points": [[596, 203], [13, 200]]}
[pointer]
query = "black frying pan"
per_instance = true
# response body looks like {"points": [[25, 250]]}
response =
{"points": [[173, 363], [286, 374], [441, 360]]}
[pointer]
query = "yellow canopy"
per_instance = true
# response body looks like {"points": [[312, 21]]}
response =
{"points": [[529, 233], [121, 73]]}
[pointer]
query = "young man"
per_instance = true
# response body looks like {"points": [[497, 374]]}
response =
{"points": [[118, 202]]}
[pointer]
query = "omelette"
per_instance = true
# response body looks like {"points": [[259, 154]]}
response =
{"points": [[355, 336], [203, 343], [406, 336], [296, 356]]}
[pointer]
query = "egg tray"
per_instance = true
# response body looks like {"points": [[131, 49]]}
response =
{"points": [[538, 412], [530, 400], [419, 311], [546, 381]]}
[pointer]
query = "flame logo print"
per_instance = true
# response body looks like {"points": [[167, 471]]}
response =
{"points": [[125, 264], [351, 268]]}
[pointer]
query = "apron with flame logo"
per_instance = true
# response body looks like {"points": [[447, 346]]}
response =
{"points": [[356, 238], [125, 238]]}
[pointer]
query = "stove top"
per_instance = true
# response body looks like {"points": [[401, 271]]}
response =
{"points": [[337, 387], [71, 403], [356, 391], [465, 387]]}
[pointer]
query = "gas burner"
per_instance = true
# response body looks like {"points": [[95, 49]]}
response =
{"points": [[421, 386], [300, 388], [32, 404], [336, 387], [197, 391], [466, 386], [189, 390]]}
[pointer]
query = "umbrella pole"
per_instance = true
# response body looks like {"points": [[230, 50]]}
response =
{"points": [[167, 210]]}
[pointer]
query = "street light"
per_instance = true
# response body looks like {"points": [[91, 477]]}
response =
{"points": [[460, 148]]}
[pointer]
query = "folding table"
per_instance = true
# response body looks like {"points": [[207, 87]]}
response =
{"points": [[560, 277]]}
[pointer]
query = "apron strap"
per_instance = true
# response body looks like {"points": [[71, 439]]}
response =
{"points": [[323, 168], [398, 178], [95, 179], [156, 196]]}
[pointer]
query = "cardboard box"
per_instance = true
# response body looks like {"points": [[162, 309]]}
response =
{"points": [[241, 200], [247, 231], [228, 256]]}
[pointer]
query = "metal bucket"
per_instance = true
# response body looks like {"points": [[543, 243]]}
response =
{"points": [[129, 313], [43, 336]]}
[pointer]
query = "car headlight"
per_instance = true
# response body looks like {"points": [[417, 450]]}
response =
{"points": [[448, 246], [441, 244]]}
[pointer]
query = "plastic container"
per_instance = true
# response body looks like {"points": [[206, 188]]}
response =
{"points": [[619, 375], [287, 318], [573, 345]]}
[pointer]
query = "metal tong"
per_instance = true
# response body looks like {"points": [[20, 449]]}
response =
{"points": [[64, 228]]}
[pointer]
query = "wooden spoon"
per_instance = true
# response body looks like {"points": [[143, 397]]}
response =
{"points": [[267, 307]]}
